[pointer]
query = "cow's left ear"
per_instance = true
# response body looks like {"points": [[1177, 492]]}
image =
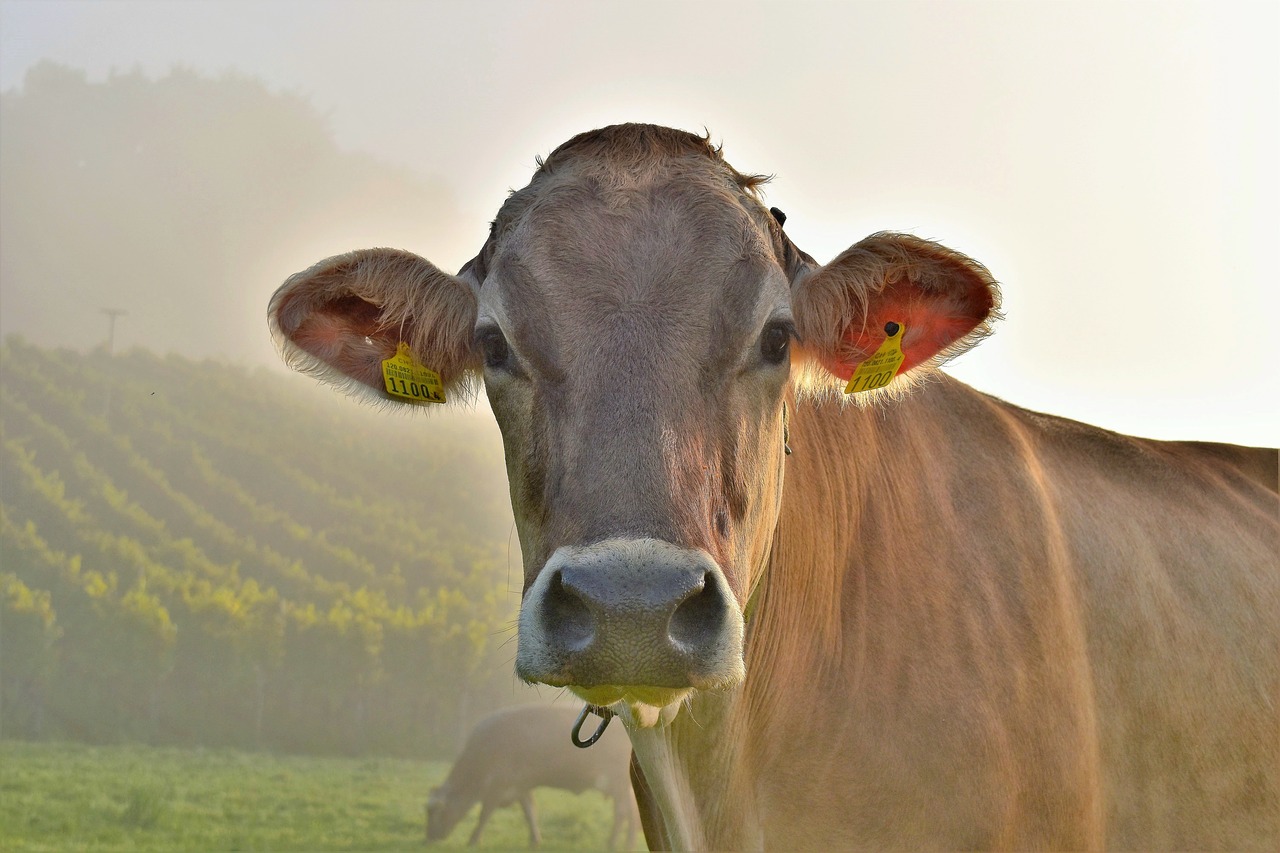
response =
{"points": [[944, 300]]}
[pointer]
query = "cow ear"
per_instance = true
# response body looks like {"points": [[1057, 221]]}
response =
{"points": [[944, 300], [343, 317]]}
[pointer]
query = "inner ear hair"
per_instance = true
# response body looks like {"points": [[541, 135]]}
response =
{"points": [[946, 300], [342, 317]]}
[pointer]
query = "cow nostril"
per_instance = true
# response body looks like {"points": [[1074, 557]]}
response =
{"points": [[567, 615], [697, 620]]}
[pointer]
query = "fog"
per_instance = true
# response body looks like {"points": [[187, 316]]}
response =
{"points": [[1113, 164], [204, 550]]}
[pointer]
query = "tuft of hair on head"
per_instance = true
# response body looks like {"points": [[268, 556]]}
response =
{"points": [[637, 147]]}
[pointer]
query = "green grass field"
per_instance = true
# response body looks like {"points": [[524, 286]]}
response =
{"points": [[62, 796]]}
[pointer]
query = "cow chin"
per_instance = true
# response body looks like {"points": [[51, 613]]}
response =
{"points": [[647, 706], [641, 622]]}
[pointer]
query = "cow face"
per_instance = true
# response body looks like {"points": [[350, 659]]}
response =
{"points": [[443, 812], [641, 324]]}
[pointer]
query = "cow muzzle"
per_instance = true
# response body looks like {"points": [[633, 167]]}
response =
{"points": [[635, 620]]}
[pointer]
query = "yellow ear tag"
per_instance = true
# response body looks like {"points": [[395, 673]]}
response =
{"points": [[879, 370], [408, 380]]}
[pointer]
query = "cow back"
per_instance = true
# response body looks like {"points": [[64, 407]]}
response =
{"points": [[520, 748]]}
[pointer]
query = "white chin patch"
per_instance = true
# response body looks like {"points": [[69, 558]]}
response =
{"points": [[643, 707]]}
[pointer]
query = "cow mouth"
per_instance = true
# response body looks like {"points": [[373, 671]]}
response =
{"points": [[646, 704]]}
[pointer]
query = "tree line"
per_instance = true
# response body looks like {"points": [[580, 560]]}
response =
{"points": [[182, 199]]}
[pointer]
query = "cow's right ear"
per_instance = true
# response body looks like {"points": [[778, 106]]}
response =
{"points": [[340, 319]]}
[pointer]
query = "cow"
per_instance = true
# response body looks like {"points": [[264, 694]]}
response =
{"points": [[913, 616], [514, 750]]}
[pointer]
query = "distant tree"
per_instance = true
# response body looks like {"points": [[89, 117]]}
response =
{"points": [[184, 200]]}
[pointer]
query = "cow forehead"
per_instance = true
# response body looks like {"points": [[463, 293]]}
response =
{"points": [[682, 254]]}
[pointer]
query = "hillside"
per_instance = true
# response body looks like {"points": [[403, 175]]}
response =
{"points": [[196, 553], [183, 200]]}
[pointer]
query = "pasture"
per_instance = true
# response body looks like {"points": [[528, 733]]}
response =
{"points": [[64, 796]]}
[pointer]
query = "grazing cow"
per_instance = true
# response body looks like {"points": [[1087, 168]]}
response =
{"points": [[944, 621], [513, 751]]}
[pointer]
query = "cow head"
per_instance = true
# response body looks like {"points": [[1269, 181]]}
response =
{"points": [[444, 811], [641, 323]]}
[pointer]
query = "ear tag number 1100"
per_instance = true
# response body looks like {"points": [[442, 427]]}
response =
{"points": [[407, 379], [879, 370]]}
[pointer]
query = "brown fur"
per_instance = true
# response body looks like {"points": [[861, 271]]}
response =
{"points": [[1013, 661]]}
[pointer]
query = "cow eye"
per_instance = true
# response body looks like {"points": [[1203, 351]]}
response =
{"points": [[494, 346], [774, 341]]}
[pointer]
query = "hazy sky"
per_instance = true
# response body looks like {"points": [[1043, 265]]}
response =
{"points": [[1114, 164]]}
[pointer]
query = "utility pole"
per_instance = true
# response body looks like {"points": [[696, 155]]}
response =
{"points": [[112, 314]]}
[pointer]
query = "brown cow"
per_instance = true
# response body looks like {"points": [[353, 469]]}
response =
{"points": [[954, 623], [514, 750]]}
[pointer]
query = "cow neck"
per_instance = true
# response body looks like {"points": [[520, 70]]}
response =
{"points": [[795, 612], [753, 597]]}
